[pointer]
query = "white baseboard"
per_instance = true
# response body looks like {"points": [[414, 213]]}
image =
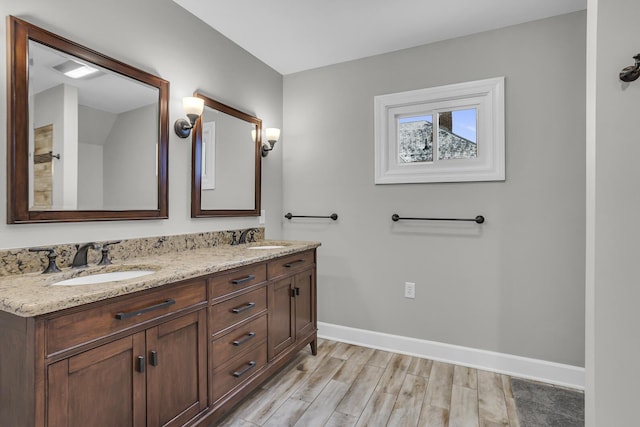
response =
{"points": [[517, 366]]}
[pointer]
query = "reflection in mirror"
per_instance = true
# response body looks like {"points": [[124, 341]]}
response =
{"points": [[89, 134], [226, 162], [90, 121], [229, 141]]}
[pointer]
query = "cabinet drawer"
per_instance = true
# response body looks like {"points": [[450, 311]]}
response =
{"points": [[238, 340], [290, 263], [80, 327], [237, 371], [236, 280], [237, 309]]}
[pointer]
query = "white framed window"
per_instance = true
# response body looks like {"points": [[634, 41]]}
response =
{"points": [[448, 133]]}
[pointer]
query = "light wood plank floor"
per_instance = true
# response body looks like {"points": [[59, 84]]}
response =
{"points": [[347, 385]]}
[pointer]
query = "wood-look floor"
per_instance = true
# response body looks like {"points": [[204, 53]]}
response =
{"points": [[347, 385]]}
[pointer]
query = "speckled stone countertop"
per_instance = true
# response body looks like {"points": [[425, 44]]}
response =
{"points": [[33, 294]]}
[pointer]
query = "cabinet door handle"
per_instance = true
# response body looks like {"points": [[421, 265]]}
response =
{"points": [[291, 264], [247, 306], [140, 363], [250, 365], [297, 291], [166, 303], [154, 358], [241, 341], [243, 280]]}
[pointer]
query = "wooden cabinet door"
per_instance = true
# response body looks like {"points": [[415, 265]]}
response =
{"points": [[305, 299], [102, 387], [281, 316], [177, 370]]}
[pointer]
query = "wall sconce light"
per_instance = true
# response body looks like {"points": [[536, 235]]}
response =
{"points": [[273, 135], [193, 108]]}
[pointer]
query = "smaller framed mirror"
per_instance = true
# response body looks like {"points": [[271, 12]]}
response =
{"points": [[226, 162]]}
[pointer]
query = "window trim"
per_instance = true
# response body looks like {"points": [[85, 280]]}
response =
{"points": [[487, 96]]}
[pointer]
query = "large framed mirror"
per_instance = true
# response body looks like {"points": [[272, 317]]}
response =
{"points": [[226, 162], [87, 134]]}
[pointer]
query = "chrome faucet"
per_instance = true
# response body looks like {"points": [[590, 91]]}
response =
{"points": [[80, 258]]}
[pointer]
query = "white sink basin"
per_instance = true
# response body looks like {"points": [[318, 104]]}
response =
{"points": [[266, 247], [104, 277]]}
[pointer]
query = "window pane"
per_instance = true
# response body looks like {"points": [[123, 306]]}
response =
{"points": [[457, 136], [415, 139]]}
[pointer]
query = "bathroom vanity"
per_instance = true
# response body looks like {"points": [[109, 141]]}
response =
{"points": [[177, 347]]}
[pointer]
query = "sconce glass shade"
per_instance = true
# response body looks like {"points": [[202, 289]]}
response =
{"points": [[193, 108], [273, 135]]}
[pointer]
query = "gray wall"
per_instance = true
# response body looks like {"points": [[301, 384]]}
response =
{"points": [[129, 159], [513, 285], [160, 37], [613, 198], [90, 176]]}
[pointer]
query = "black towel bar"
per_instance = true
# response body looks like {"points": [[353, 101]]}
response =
{"points": [[333, 216], [478, 219]]}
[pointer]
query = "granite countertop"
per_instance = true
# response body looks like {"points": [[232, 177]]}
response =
{"points": [[33, 294]]}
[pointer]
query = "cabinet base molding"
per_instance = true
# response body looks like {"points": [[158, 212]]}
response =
{"points": [[517, 366]]}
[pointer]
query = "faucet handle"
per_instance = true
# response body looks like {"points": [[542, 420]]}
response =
{"points": [[234, 240], [252, 235], [52, 267], [105, 252]]}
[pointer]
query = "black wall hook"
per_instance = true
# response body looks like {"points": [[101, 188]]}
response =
{"points": [[632, 72]]}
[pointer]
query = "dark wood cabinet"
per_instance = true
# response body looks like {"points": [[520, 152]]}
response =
{"points": [[238, 327], [305, 303], [282, 332], [155, 377], [98, 387], [177, 370], [292, 303], [181, 354]]}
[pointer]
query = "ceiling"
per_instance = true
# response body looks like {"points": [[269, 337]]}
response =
{"points": [[106, 91], [297, 35]]}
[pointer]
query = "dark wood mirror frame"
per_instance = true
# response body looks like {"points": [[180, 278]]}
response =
{"points": [[19, 34], [196, 164]]}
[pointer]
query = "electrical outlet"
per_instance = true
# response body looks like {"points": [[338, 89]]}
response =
{"points": [[263, 217], [409, 290]]}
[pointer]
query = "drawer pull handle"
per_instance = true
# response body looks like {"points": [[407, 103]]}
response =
{"points": [[167, 303], [247, 306], [250, 365], [291, 264], [239, 342], [243, 280], [154, 358], [140, 363]]}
